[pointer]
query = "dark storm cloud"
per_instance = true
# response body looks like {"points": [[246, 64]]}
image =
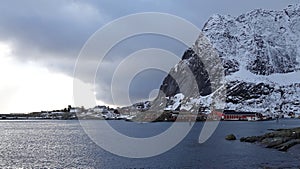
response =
{"points": [[54, 26], [52, 32], [143, 83]]}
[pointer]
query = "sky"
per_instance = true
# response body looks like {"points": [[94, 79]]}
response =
{"points": [[41, 40]]}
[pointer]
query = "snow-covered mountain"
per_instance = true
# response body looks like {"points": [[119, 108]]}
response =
{"points": [[260, 54]]}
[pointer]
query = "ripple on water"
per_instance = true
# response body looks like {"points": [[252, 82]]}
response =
{"points": [[63, 144]]}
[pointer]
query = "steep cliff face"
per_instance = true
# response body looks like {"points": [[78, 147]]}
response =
{"points": [[264, 42], [260, 55], [178, 79]]}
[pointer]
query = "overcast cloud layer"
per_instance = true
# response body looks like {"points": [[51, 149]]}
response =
{"points": [[51, 33]]}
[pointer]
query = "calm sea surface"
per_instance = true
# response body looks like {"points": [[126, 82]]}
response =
{"points": [[63, 144]]}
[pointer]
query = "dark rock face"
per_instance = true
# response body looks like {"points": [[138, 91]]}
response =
{"points": [[241, 91], [281, 139], [178, 78], [197, 74], [230, 66]]}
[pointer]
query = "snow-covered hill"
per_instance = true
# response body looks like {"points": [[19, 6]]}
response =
{"points": [[260, 53]]}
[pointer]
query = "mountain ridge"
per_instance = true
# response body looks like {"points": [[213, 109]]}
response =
{"points": [[260, 55]]}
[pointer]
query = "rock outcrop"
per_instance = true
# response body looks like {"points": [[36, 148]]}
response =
{"points": [[230, 137], [281, 139]]}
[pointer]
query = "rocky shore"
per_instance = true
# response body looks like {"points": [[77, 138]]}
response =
{"points": [[280, 139]]}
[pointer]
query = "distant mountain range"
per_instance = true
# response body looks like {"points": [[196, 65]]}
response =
{"points": [[260, 54]]}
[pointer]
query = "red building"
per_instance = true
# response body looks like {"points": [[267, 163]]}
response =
{"points": [[243, 116]]}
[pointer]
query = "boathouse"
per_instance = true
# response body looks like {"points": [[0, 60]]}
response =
{"points": [[234, 115]]}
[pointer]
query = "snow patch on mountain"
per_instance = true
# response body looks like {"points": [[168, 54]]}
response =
{"points": [[174, 102], [276, 78]]}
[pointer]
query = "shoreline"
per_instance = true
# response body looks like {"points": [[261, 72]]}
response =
{"points": [[279, 139]]}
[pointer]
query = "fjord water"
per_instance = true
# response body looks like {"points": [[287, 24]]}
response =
{"points": [[63, 144]]}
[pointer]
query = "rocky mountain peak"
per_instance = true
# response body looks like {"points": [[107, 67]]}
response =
{"points": [[259, 53]]}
